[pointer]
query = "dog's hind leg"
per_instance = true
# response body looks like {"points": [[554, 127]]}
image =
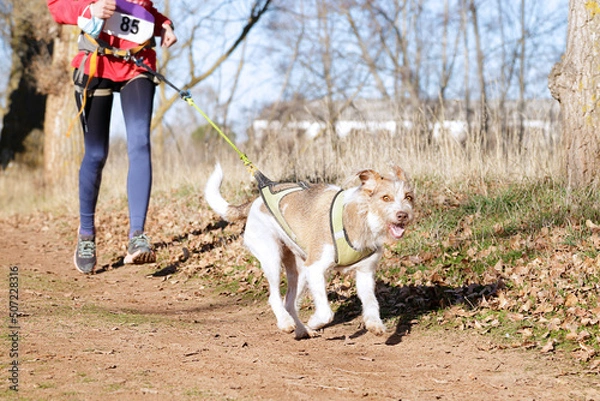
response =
{"points": [[365, 288], [268, 252], [272, 269], [296, 282], [315, 277], [301, 287]]}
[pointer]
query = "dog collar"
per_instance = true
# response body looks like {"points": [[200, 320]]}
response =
{"points": [[345, 253]]}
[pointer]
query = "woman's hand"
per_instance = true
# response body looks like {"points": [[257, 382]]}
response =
{"points": [[168, 37], [103, 8]]}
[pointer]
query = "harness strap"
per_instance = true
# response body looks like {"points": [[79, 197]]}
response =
{"points": [[94, 48], [345, 253], [92, 72], [89, 44], [272, 200], [95, 92]]}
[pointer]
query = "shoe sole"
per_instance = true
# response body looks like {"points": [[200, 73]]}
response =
{"points": [[77, 267], [140, 258]]}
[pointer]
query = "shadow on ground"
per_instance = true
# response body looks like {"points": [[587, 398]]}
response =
{"points": [[409, 303], [173, 267]]}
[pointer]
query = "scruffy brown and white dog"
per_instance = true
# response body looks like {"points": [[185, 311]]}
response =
{"points": [[310, 229]]}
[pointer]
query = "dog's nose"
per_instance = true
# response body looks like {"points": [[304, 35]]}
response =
{"points": [[402, 216]]}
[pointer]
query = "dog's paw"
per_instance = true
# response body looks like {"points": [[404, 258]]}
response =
{"points": [[288, 327], [317, 322], [303, 332], [286, 323], [375, 327]]}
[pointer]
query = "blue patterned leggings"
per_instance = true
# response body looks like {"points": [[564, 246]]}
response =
{"points": [[136, 103]]}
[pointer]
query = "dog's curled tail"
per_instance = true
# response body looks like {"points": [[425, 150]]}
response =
{"points": [[215, 200]]}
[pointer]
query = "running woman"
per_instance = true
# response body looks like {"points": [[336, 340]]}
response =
{"points": [[112, 31]]}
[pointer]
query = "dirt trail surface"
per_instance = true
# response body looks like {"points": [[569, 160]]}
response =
{"points": [[126, 334]]}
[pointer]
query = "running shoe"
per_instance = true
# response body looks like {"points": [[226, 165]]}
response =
{"points": [[139, 250], [85, 254]]}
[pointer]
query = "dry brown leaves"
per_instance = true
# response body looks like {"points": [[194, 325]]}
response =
{"points": [[550, 302], [552, 299]]}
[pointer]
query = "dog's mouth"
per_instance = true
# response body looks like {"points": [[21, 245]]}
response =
{"points": [[396, 230]]}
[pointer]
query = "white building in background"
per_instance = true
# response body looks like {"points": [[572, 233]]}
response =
{"points": [[456, 130], [308, 120], [343, 128]]}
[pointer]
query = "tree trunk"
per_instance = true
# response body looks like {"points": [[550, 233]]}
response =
{"points": [[483, 117], [25, 105], [464, 18], [63, 146], [522, 79], [574, 82]]}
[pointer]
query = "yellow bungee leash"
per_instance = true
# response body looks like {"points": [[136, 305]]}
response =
{"points": [[243, 157], [185, 95]]}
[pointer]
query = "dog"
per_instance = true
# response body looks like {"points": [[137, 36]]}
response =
{"points": [[297, 231]]}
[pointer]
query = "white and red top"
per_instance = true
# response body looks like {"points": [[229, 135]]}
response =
{"points": [[69, 11]]}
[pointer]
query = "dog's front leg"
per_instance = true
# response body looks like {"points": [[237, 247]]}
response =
{"points": [[365, 287]]}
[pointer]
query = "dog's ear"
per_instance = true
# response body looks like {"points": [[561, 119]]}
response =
{"points": [[400, 173], [369, 179]]}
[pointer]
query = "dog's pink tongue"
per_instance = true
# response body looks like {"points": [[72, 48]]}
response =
{"points": [[396, 231]]}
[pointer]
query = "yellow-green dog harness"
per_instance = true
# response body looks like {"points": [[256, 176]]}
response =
{"points": [[345, 253]]}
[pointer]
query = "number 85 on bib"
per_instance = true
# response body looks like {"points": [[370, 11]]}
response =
{"points": [[131, 22]]}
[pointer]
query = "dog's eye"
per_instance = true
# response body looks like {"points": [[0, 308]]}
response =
{"points": [[409, 197], [386, 198]]}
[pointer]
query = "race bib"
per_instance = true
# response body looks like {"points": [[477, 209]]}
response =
{"points": [[131, 22]]}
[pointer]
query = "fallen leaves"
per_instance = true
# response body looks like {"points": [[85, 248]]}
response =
{"points": [[539, 289], [592, 226], [547, 299]]}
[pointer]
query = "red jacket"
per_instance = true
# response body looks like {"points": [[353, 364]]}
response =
{"points": [[115, 69]]}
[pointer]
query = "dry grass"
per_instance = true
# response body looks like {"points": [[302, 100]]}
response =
{"points": [[447, 162], [187, 163], [22, 191]]}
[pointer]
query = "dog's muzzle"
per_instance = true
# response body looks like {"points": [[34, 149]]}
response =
{"points": [[397, 229]]}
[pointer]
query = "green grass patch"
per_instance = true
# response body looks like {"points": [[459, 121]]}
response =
{"points": [[514, 261]]}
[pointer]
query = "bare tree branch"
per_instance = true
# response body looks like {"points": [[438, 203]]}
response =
{"points": [[259, 8]]}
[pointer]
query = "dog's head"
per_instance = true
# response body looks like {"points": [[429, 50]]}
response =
{"points": [[389, 201]]}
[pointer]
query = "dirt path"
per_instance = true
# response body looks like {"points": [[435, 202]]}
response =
{"points": [[127, 335]]}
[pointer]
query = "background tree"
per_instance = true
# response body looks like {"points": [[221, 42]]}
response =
{"points": [[574, 82], [63, 136], [191, 30], [421, 54], [480, 57], [21, 136], [417, 55]]}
